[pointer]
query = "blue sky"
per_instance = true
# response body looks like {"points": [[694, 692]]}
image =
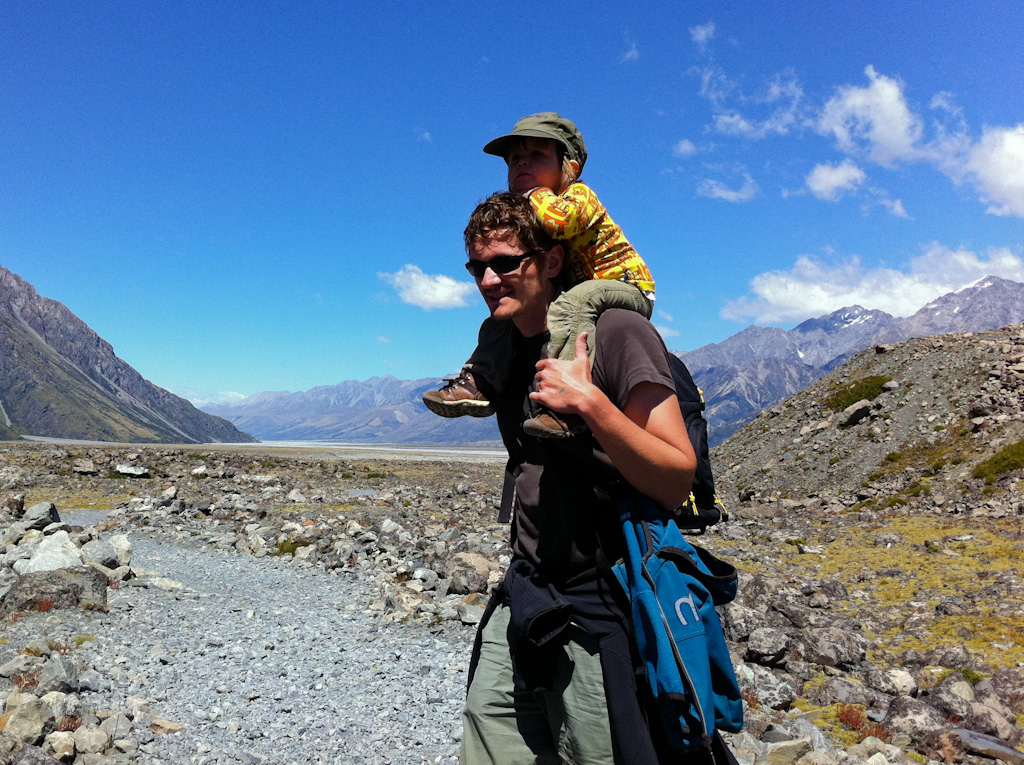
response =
{"points": [[270, 196]]}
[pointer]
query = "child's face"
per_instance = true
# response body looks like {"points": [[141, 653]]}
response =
{"points": [[533, 162]]}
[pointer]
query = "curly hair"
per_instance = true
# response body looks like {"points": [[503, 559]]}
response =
{"points": [[503, 215]]}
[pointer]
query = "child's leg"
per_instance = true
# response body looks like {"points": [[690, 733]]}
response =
{"points": [[490, 361], [570, 314], [577, 310], [482, 376]]}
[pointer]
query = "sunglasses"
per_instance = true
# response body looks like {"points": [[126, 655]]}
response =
{"points": [[500, 264]]}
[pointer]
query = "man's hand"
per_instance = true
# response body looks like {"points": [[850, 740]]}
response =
{"points": [[565, 386]]}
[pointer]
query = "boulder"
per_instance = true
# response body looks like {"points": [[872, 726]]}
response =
{"points": [[767, 646], [61, 588], [55, 551], [30, 721], [58, 674], [102, 552], [40, 515], [913, 718]]}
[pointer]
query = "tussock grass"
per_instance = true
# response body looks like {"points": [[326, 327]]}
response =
{"points": [[1006, 460], [865, 388]]}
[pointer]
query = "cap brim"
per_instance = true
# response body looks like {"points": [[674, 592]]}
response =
{"points": [[499, 146]]}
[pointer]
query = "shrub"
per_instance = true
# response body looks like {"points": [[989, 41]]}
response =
{"points": [[865, 388], [29, 679], [877, 730], [852, 716], [1006, 460], [892, 457], [68, 723]]}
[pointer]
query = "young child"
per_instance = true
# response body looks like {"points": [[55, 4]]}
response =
{"points": [[545, 154]]}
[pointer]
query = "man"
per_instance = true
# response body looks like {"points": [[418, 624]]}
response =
{"points": [[551, 679]]}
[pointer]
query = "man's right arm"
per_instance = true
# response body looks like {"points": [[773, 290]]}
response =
{"points": [[646, 440]]}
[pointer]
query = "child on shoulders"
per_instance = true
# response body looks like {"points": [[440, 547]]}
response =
{"points": [[545, 154]]}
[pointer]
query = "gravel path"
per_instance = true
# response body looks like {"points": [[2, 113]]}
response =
{"points": [[267, 662]]}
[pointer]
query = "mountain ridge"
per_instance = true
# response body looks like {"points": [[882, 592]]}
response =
{"points": [[60, 379]]}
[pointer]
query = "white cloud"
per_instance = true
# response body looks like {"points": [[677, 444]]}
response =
{"points": [[424, 136], [874, 120], [831, 182], [996, 166], [382, 339], [718, 190], [665, 315], [630, 55], [895, 206], [702, 34], [785, 91], [428, 291], [813, 288], [201, 398], [666, 331], [685, 148]]}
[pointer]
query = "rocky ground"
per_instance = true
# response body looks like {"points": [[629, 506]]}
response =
{"points": [[880, 615]]}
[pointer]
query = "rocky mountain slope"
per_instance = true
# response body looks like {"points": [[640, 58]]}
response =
{"points": [[760, 366], [58, 378], [875, 522]]}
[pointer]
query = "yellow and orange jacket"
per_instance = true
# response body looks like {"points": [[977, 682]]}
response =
{"points": [[598, 249]]}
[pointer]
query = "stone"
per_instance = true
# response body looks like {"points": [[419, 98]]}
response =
{"points": [[986, 720], [58, 674], [91, 739], [832, 647], [55, 551], [82, 466], [296, 496], [771, 690], [61, 744], [31, 755], [894, 681], [61, 588], [854, 413], [102, 552], [987, 746], [39, 516], [164, 727], [132, 471], [785, 752], [913, 717], [767, 646], [117, 726], [29, 721]]}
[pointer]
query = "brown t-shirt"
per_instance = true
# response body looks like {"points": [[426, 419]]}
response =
{"points": [[558, 516]]}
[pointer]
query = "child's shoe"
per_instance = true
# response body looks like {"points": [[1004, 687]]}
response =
{"points": [[459, 397], [547, 424]]}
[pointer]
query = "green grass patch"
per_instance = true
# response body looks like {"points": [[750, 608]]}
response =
{"points": [[865, 388], [1006, 460]]}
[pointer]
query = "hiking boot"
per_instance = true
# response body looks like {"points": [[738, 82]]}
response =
{"points": [[458, 398], [547, 424]]}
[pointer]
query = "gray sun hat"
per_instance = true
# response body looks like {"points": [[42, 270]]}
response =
{"points": [[543, 125]]}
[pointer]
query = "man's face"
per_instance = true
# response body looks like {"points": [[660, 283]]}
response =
{"points": [[521, 295], [533, 162]]}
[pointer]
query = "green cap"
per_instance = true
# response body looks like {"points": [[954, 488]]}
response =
{"points": [[543, 125]]}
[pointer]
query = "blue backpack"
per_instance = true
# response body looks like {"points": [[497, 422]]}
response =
{"points": [[673, 588]]}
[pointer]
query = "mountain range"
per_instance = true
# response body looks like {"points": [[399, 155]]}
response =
{"points": [[58, 378], [740, 376]]}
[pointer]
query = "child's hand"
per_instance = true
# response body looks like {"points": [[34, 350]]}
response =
{"points": [[565, 386]]}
